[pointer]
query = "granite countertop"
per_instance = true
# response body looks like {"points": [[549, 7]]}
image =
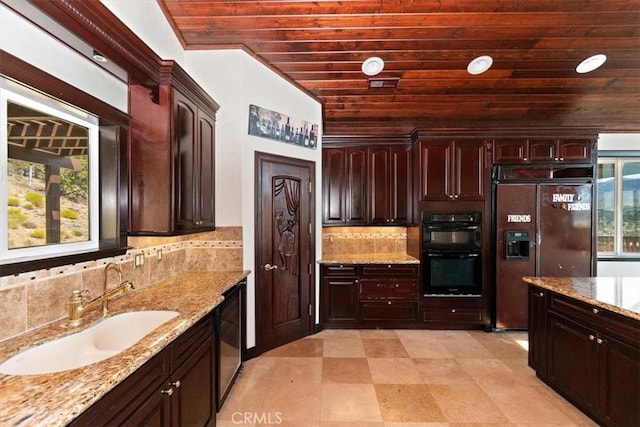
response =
{"points": [[369, 258], [56, 399], [618, 294]]}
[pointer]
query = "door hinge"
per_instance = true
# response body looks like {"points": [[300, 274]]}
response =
{"points": [[310, 310], [310, 229], [309, 187], [310, 269]]}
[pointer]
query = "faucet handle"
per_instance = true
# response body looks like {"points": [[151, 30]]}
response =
{"points": [[80, 295]]}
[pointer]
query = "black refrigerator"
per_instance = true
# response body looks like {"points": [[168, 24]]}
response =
{"points": [[541, 229]]}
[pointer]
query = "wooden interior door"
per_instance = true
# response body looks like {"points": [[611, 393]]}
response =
{"points": [[285, 250]]}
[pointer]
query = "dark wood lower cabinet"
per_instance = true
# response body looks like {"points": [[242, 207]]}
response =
{"points": [[589, 355], [369, 295], [388, 296], [174, 388]]}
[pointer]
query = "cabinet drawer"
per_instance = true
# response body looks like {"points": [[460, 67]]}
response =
{"points": [[190, 340], [620, 327], [390, 270], [453, 315], [340, 270], [388, 310], [389, 288]]}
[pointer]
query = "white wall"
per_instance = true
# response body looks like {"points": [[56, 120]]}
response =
{"points": [[234, 80], [24, 40], [145, 18], [619, 142]]}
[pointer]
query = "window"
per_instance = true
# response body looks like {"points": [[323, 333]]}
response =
{"points": [[618, 226], [49, 181]]}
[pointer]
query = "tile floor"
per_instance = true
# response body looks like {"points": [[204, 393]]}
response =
{"points": [[396, 378]]}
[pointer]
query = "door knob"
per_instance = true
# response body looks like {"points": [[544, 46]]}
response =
{"points": [[269, 267]]}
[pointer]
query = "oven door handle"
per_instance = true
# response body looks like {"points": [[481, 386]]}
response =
{"points": [[452, 255]]}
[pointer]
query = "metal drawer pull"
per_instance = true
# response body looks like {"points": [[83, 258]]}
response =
{"points": [[591, 337], [595, 311], [167, 392]]}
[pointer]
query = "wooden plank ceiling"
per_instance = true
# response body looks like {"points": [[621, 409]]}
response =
{"points": [[427, 45]]}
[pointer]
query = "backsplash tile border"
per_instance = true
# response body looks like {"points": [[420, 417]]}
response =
{"points": [[19, 311]]}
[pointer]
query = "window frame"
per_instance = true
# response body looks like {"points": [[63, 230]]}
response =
{"points": [[617, 158], [113, 168], [15, 92]]}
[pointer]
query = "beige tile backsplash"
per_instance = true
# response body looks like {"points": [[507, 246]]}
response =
{"points": [[362, 240], [35, 298]]}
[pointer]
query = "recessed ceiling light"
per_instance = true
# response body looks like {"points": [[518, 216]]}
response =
{"points": [[591, 63], [480, 64], [99, 57], [372, 66]]}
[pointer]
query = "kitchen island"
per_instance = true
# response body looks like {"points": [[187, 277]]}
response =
{"points": [[584, 341], [58, 398]]}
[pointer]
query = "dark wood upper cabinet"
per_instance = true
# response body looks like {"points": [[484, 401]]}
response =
{"points": [[513, 151], [367, 186], [172, 155], [452, 170], [390, 199], [344, 177]]}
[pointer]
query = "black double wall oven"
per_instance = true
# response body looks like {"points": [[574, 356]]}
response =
{"points": [[452, 253]]}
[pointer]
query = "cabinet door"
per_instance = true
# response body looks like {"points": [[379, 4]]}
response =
{"points": [[356, 189], [185, 134], [379, 185], [620, 392], [205, 176], [344, 178], [436, 175], [575, 151], [400, 178], [340, 295], [543, 151], [334, 183], [469, 171], [538, 331], [510, 151], [154, 412], [573, 361], [193, 383]]}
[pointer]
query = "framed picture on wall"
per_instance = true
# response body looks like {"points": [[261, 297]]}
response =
{"points": [[279, 127]]}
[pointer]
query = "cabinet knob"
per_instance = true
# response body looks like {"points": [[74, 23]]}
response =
{"points": [[595, 311], [176, 384], [388, 220], [525, 158], [561, 158], [453, 310], [167, 392], [540, 294], [599, 341], [591, 337], [389, 302]]}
